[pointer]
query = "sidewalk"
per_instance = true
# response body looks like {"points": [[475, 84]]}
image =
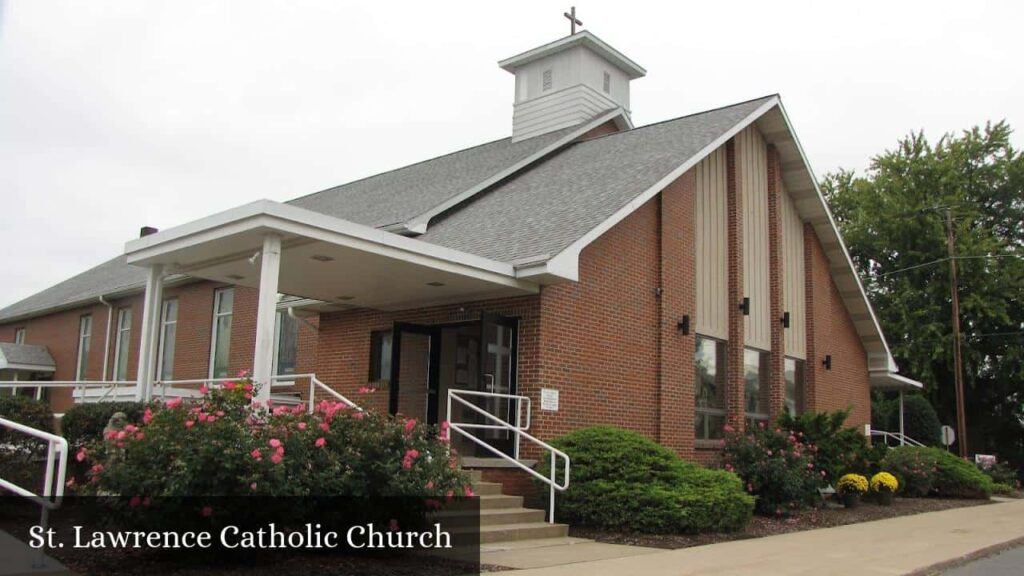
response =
{"points": [[884, 547]]}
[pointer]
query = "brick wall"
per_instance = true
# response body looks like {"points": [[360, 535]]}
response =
{"points": [[830, 331]]}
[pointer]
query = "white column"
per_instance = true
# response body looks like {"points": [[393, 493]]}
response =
{"points": [[266, 316], [903, 439], [150, 329]]}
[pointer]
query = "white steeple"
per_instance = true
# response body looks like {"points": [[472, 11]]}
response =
{"points": [[568, 82]]}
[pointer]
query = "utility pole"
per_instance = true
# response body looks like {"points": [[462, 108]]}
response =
{"points": [[958, 377]]}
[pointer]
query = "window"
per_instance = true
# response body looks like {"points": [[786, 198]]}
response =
{"points": [[286, 344], [19, 336], [794, 375], [168, 334], [607, 83], [84, 335], [709, 362], [546, 82], [380, 356], [220, 342], [123, 343], [755, 375]]}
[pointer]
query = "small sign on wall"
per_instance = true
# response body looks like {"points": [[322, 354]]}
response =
{"points": [[549, 399]]}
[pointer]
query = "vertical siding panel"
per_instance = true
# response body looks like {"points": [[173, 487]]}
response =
{"points": [[712, 315], [793, 286], [756, 285]]}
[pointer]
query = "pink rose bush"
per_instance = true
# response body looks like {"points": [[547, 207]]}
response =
{"points": [[221, 445], [777, 467]]}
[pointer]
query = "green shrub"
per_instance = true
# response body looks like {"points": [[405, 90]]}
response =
{"points": [[84, 423], [623, 481], [840, 449], [1000, 473], [222, 446], [931, 471], [914, 468], [18, 451], [1003, 489], [777, 466]]}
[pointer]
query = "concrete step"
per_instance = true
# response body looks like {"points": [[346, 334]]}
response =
{"points": [[521, 531], [490, 517], [486, 488], [491, 501]]}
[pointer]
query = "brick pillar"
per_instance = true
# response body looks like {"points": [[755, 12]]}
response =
{"points": [[678, 268], [734, 348], [776, 378], [811, 366]]}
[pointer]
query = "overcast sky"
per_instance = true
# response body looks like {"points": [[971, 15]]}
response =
{"points": [[115, 115]]}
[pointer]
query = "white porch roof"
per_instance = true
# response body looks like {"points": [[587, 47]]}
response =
{"points": [[884, 380], [326, 259]]}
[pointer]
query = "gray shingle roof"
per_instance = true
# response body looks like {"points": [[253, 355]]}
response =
{"points": [[25, 355], [537, 213], [114, 275], [399, 195], [542, 211]]}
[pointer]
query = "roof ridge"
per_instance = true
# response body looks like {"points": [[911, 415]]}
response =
{"points": [[438, 157], [691, 115]]}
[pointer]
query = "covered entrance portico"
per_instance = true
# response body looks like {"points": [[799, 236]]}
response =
{"points": [[333, 265]]}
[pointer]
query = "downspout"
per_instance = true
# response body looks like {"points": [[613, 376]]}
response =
{"points": [[106, 339]]}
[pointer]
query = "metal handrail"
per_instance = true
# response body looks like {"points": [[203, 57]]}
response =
{"points": [[520, 432], [52, 496], [903, 439], [315, 383]]}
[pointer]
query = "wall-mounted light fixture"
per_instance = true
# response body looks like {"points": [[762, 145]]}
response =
{"points": [[745, 306], [827, 362], [684, 325], [785, 319]]}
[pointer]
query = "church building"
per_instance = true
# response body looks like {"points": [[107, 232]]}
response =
{"points": [[673, 279]]}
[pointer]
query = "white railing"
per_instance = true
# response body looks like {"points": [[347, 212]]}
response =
{"points": [[519, 430], [901, 439], [315, 384], [53, 488], [79, 386]]}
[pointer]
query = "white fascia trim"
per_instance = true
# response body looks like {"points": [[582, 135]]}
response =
{"points": [[298, 222], [418, 224], [27, 367], [584, 38], [890, 362], [566, 264], [885, 380]]}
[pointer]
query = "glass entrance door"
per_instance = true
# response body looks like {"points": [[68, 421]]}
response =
{"points": [[414, 363], [498, 343]]}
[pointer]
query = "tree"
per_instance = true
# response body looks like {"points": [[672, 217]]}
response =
{"points": [[893, 220]]}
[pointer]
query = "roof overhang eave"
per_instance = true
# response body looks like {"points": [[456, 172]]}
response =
{"points": [[890, 381]]}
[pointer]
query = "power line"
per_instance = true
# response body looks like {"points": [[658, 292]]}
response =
{"points": [[946, 259]]}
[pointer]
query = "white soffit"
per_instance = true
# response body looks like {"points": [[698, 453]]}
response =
{"points": [[326, 259], [584, 38]]}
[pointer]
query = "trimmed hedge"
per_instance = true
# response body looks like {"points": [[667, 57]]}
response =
{"points": [[931, 471], [19, 452], [84, 423], [920, 420], [624, 481]]}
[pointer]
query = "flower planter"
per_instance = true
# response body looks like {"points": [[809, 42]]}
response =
{"points": [[851, 499], [884, 497]]}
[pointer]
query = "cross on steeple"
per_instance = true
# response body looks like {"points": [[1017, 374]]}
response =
{"points": [[573, 21]]}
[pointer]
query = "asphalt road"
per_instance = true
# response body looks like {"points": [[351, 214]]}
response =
{"points": [[1007, 563]]}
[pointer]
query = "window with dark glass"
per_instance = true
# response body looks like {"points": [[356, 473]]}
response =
{"points": [[709, 363], [380, 356], [755, 376], [122, 344], [168, 336], [287, 347], [220, 343], [794, 376], [84, 338]]}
